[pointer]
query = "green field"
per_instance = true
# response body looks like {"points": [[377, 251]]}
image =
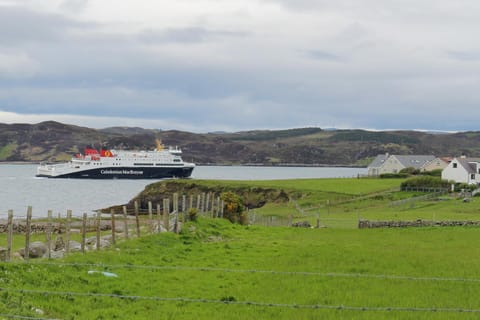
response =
{"points": [[340, 203], [216, 270]]}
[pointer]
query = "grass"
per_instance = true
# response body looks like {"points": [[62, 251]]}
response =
{"points": [[342, 202], [217, 270], [346, 186], [311, 267]]}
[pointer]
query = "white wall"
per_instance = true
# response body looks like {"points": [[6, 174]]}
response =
{"points": [[458, 174]]}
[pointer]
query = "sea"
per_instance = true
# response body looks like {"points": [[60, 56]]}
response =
{"points": [[19, 188]]}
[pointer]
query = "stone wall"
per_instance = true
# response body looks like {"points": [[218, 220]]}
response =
{"points": [[365, 224]]}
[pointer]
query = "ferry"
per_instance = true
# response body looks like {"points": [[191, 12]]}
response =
{"points": [[111, 164]]}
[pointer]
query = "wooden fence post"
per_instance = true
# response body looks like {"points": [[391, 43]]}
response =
{"points": [[222, 208], [125, 221], [217, 207], [159, 218], [150, 216], [137, 221], [199, 198], [67, 231], [183, 211], [176, 229], [166, 213], [27, 233], [9, 236], [175, 202], [84, 232], [190, 202], [98, 222], [184, 203], [204, 197], [49, 234], [207, 202], [112, 214]]}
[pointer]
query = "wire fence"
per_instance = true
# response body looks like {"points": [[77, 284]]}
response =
{"points": [[168, 216], [244, 303], [247, 303], [263, 271]]}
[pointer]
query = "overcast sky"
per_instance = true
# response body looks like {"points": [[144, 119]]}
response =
{"points": [[210, 65]]}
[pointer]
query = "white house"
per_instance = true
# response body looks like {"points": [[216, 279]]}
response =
{"points": [[386, 163], [463, 170]]}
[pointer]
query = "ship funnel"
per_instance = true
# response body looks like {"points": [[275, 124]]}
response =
{"points": [[159, 145]]}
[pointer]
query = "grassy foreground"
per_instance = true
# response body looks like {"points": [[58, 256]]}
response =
{"points": [[216, 270]]}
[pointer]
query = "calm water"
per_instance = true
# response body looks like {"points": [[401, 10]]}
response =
{"points": [[19, 188]]}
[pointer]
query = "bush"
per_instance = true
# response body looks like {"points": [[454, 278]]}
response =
{"points": [[410, 171], [433, 173], [464, 186], [425, 182], [233, 208], [394, 175], [192, 214]]}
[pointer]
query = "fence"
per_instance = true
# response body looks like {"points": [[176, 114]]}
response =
{"points": [[168, 217], [428, 196]]}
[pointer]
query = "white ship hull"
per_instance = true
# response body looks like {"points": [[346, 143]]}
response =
{"points": [[121, 165]]}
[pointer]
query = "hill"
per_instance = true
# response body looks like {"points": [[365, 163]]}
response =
{"points": [[53, 141]]}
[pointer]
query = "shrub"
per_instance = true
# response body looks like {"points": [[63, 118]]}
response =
{"points": [[192, 214], [410, 171], [394, 175], [233, 207], [464, 186], [425, 182], [433, 173]]}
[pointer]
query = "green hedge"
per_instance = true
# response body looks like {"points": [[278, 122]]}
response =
{"points": [[425, 182]]}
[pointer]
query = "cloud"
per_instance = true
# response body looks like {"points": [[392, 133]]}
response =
{"points": [[186, 35], [323, 55], [20, 25], [464, 55], [74, 6], [17, 65], [243, 64]]}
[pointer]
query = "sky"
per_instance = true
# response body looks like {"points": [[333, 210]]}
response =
{"points": [[233, 65]]}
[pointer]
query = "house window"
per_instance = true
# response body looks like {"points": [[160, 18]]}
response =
{"points": [[454, 165], [472, 176]]}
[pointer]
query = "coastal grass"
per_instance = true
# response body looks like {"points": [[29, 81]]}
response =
{"points": [[341, 203], [346, 186], [217, 270]]}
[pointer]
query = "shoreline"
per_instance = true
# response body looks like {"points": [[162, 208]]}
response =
{"points": [[282, 165]]}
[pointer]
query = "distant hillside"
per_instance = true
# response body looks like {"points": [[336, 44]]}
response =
{"points": [[53, 141]]}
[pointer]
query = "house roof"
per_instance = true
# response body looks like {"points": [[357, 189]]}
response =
{"points": [[378, 161], [470, 164], [415, 161]]}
